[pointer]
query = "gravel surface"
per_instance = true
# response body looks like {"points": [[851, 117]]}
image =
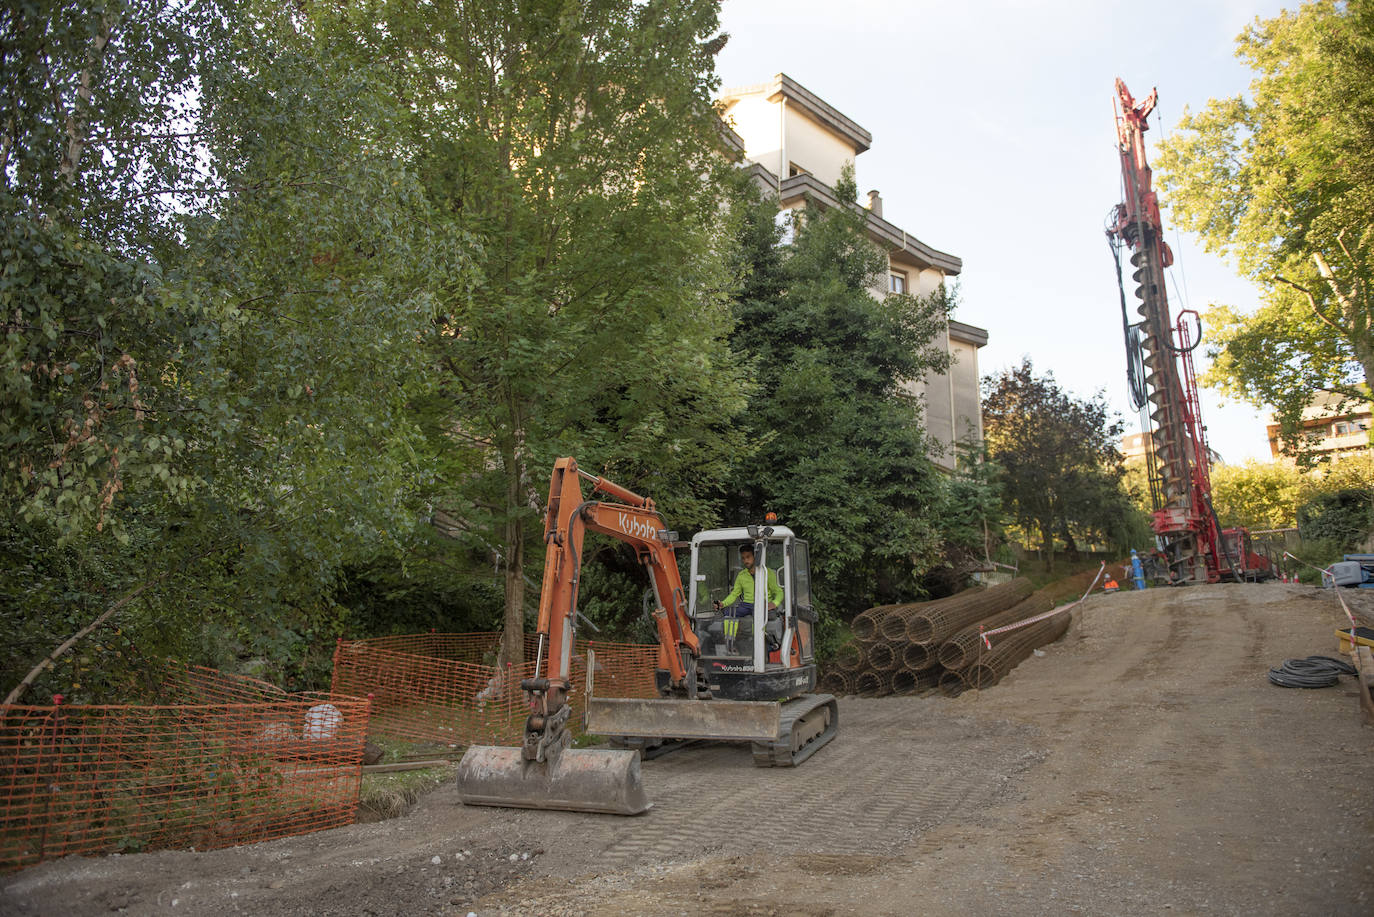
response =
{"points": [[1143, 764]]}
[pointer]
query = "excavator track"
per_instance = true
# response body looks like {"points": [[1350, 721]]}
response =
{"points": [[807, 724]]}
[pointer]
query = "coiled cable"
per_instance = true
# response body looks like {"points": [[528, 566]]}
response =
{"points": [[1312, 672]]}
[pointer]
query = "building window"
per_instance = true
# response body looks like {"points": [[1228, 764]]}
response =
{"points": [[896, 282], [793, 170], [1343, 427], [786, 221]]}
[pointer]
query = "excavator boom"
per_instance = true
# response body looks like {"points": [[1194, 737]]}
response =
{"points": [[545, 773]]}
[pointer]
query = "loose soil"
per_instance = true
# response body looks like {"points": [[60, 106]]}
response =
{"points": [[1142, 765]]}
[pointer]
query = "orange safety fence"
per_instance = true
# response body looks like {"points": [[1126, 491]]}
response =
{"points": [[244, 763], [193, 684], [443, 689]]}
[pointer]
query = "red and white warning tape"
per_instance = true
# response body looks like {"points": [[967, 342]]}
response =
{"points": [[1017, 625], [1326, 574]]}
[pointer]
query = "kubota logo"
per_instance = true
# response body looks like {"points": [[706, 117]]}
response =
{"points": [[632, 526]]}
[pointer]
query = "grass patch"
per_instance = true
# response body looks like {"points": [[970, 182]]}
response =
{"points": [[384, 796]]}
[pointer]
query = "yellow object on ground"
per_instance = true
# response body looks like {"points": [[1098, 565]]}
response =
{"points": [[1364, 636]]}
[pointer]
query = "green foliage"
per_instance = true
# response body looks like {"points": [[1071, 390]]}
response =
{"points": [[1345, 517], [611, 593], [276, 298], [970, 509], [1336, 503], [842, 455], [1137, 485], [1351, 472], [1283, 181], [1317, 554], [580, 149], [236, 314], [95, 160], [1257, 495], [1062, 473]]}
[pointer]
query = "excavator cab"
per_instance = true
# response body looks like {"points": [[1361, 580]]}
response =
{"points": [[760, 692], [774, 653]]}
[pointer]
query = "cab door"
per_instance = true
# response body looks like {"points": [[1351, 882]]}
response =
{"points": [[803, 603]]}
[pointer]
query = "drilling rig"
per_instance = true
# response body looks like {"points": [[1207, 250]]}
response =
{"points": [[1159, 356]]}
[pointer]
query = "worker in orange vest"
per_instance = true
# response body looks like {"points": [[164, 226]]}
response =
{"points": [[1111, 585]]}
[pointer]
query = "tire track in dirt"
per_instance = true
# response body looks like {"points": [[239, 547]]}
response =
{"points": [[852, 797]]}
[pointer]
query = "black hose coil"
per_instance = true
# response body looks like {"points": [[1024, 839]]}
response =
{"points": [[1312, 672]]}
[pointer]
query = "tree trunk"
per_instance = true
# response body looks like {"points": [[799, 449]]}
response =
{"points": [[513, 622], [1048, 541], [1070, 546]]}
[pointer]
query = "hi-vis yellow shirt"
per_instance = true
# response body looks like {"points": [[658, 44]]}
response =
{"points": [[744, 589]]}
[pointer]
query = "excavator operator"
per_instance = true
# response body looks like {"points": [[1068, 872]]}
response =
{"points": [[735, 605]]}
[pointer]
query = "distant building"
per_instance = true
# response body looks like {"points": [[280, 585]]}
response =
{"points": [[797, 144], [1136, 446], [1330, 430]]}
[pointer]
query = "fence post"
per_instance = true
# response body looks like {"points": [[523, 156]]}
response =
{"points": [[334, 671], [49, 742]]}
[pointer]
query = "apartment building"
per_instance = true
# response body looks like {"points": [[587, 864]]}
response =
{"points": [[796, 144], [1135, 448], [1333, 427]]}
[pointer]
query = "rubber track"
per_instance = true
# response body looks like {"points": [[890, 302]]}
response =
{"points": [[779, 753]]}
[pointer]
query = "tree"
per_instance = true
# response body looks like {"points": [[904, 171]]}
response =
{"points": [[1062, 472], [220, 285], [842, 453], [1336, 502], [1257, 495], [97, 155], [1283, 181], [578, 146]]}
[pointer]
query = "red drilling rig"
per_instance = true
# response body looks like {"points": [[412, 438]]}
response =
{"points": [[1160, 375]]}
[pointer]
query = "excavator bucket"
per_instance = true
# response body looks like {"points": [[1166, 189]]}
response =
{"points": [[668, 718], [578, 780]]}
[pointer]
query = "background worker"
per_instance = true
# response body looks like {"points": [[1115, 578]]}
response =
{"points": [[1137, 570], [735, 605]]}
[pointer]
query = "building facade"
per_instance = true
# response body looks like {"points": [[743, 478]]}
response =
{"points": [[1333, 427], [1135, 448], [796, 145]]}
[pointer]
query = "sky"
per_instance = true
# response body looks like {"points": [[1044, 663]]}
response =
{"points": [[994, 140]]}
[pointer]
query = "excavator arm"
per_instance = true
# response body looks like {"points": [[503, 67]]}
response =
{"points": [[633, 520]]}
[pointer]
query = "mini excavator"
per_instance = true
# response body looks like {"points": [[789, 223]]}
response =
{"points": [[709, 689]]}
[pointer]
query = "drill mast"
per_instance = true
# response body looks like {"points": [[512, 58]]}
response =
{"points": [[1159, 354]]}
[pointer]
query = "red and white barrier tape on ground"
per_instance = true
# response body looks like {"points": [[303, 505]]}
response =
{"points": [[1017, 625]]}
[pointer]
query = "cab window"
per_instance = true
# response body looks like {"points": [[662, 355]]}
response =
{"points": [[801, 572], [715, 576]]}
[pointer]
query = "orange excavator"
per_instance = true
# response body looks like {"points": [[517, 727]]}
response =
{"points": [[710, 688]]}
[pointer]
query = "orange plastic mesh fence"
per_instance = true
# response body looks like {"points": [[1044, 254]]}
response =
{"points": [[99, 779], [440, 689], [193, 684]]}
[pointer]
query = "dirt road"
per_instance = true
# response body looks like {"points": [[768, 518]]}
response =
{"points": [[1142, 765]]}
